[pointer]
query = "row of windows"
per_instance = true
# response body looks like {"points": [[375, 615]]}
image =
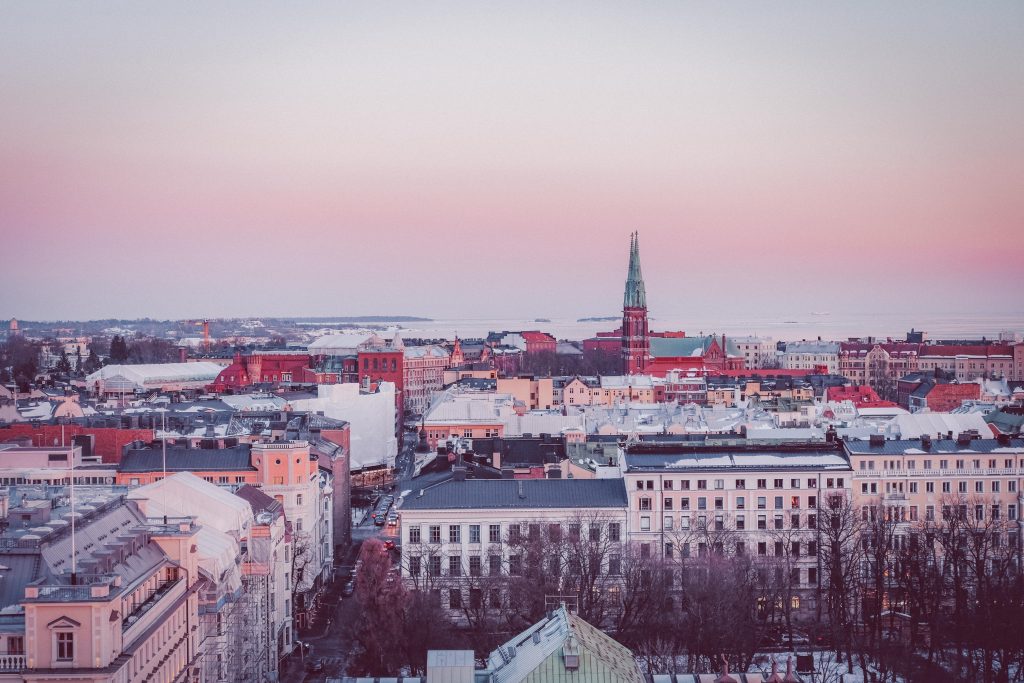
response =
{"points": [[995, 486], [495, 565], [911, 513], [515, 532], [668, 503], [739, 484], [719, 522], [958, 464]]}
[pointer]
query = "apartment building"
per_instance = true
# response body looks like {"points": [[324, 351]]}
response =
{"points": [[460, 530], [688, 499], [924, 479]]}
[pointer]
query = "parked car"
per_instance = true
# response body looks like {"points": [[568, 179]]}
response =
{"points": [[796, 640], [348, 589], [315, 666]]}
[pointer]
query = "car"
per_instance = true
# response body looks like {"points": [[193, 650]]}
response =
{"points": [[392, 521], [315, 666], [796, 640], [348, 589], [379, 520]]}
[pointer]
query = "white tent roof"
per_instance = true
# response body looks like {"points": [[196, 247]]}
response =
{"points": [[159, 372], [183, 493]]}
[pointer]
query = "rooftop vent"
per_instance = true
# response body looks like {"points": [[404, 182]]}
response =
{"points": [[522, 493], [963, 439], [926, 441]]}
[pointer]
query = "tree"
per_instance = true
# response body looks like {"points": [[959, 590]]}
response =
{"points": [[78, 361], [382, 600], [150, 350], [63, 366], [92, 363], [118, 349]]}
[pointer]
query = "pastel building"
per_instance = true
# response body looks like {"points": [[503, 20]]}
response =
{"points": [[690, 500], [928, 479], [968, 362]]}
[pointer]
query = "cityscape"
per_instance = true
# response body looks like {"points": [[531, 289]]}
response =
{"points": [[469, 343]]}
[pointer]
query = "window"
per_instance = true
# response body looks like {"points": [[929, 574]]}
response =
{"points": [[794, 483], [946, 487], [741, 484], [16, 645], [455, 566], [962, 486], [741, 503], [669, 549], [702, 503], [595, 532], [740, 522], [778, 502], [762, 548], [534, 531], [555, 533], [435, 533], [995, 487], [455, 598], [719, 503], [515, 565], [685, 485], [645, 503], [762, 483], [702, 484], [979, 487], [778, 521], [667, 485], [474, 533], [614, 565], [454, 534], [762, 503], [684, 503], [668, 503], [65, 646], [495, 598], [762, 522], [778, 483], [414, 565], [298, 499], [913, 487], [929, 487], [719, 484], [514, 533], [414, 534], [494, 565], [645, 523], [474, 565], [574, 532], [668, 523], [614, 532], [794, 521]]}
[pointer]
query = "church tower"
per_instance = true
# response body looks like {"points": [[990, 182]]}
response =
{"points": [[636, 342]]}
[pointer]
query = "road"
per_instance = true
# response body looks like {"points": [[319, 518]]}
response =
{"points": [[329, 646]]}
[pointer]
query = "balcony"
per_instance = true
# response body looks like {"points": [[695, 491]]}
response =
{"points": [[12, 662]]}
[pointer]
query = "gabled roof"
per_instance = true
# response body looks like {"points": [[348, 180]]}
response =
{"points": [[539, 654]]}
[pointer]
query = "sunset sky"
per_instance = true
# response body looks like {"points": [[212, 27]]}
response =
{"points": [[189, 159]]}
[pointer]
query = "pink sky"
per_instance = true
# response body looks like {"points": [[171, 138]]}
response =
{"points": [[473, 160]]}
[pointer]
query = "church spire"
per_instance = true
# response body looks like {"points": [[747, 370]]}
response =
{"points": [[635, 295]]}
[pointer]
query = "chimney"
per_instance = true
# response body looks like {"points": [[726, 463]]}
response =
{"points": [[963, 439], [1003, 439], [522, 493], [926, 442]]}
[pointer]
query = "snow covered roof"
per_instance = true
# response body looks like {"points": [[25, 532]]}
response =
{"points": [[158, 372], [348, 342], [184, 493], [913, 425]]}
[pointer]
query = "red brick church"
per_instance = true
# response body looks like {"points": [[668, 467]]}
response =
{"points": [[656, 353]]}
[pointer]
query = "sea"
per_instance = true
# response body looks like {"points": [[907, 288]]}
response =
{"points": [[808, 326]]}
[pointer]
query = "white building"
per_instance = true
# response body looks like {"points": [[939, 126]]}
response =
{"points": [[116, 380], [807, 355], [371, 416], [689, 501], [757, 352], [456, 531]]}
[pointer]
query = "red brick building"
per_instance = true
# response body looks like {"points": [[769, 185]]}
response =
{"points": [[265, 368], [861, 396], [107, 441]]}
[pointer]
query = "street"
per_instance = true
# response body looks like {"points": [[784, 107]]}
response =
{"points": [[329, 645]]}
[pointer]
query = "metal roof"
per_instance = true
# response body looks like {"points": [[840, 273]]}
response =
{"points": [[519, 494], [937, 447]]}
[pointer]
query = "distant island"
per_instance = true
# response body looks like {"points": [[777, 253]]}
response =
{"points": [[541, 320], [599, 319]]}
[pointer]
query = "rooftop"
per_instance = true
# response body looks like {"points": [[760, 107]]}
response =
{"points": [[519, 494]]}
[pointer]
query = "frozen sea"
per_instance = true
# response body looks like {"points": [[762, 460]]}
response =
{"points": [[810, 325]]}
